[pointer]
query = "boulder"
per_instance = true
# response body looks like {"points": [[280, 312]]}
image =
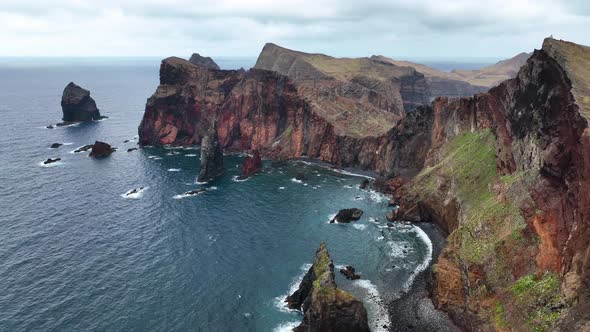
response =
{"points": [[77, 105], [55, 145], [347, 215], [392, 215], [211, 156], [349, 272], [49, 127], [364, 184], [203, 61], [252, 165], [326, 307], [101, 149]]}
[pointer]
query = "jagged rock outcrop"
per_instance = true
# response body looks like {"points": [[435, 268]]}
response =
{"points": [[211, 156], [347, 215], [77, 105], [100, 150], [504, 175], [326, 308], [251, 165], [202, 61]]}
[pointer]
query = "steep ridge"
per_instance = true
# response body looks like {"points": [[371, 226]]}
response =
{"points": [[505, 176], [348, 90]]}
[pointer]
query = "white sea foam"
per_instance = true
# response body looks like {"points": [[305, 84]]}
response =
{"points": [[135, 195], [236, 178], [279, 301], [374, 304], [422, 266], [53, 164], [185, 195], [282, 188], [173, 169], [296, 181], [360, 227], [68, 143], [352, 174], [190, 155], [332, 216], [286, 327], [200, 182]]}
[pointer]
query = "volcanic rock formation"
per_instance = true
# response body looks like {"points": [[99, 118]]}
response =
{"points": [[252, 165], [202, 61], [77, 105], [211, 156], [325, 307], [101, 149]]}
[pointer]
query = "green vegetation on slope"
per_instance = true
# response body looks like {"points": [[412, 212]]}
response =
{"points": [[468, 163], [491, 231]]}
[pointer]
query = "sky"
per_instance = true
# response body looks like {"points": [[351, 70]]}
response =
{"points": [[405, 29]]}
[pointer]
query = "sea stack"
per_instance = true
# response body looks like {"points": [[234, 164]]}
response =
{"points": [[77, 105], [325, 307], [202, 61], [252, 165], [211, 156]]}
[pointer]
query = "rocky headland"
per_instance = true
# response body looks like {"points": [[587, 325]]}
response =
{"points": [[77, 105], [324, 306], [503, 173]]}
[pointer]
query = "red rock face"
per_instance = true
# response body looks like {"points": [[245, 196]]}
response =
{"points": [[262, 110], [252, 164]]}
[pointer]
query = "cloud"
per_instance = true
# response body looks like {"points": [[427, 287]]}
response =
{"points": [[401, 28]]}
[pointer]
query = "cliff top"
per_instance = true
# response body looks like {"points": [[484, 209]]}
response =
{"points": [[575, 60], [301, 65]]}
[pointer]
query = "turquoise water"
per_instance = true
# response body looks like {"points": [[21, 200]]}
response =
{"points": [[78, 255]]}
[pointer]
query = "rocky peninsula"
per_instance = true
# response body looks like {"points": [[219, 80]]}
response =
{"points": [[503, 173]]}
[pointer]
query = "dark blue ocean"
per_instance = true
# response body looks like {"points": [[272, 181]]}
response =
{"points": [[76, 255]]}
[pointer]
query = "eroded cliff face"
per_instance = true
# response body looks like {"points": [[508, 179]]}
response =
{"points": [[263, 110], [506, 177]]}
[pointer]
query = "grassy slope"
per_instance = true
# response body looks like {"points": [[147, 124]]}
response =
{"points": [[491, 231]]}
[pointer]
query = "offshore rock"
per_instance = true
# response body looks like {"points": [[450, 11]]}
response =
{"points": [[77, 105], [100, 150], [325, 307], [211, 157], [347, 215], [252, 165]]}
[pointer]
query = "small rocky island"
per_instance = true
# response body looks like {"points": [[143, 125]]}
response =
{"points": [[211, 156], [325, 307], [78, 106]]}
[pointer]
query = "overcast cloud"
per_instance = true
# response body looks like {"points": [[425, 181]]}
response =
{"points": [[399, 28]]}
